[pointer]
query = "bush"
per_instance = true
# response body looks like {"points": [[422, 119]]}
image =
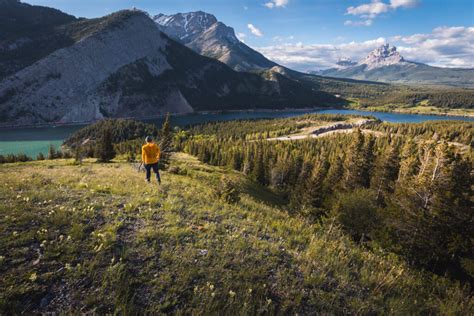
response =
{"points": [[357, 213], [178, 170], [228, 190]]}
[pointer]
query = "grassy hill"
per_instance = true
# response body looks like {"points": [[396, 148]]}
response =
{"points": [[96, 238]]}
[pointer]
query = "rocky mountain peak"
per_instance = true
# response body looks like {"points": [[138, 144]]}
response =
{"points": [[384, 55], [344, 62], [185, 26]]}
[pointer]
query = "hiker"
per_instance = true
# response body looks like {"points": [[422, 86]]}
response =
{"points": [[150, 158]]}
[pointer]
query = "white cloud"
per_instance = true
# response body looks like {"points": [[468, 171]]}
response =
{"points": [[403, 3], [241, 36], [367, 22], [254, 30], [443, 47], [279, 38], [276, 4], [369, 11]]}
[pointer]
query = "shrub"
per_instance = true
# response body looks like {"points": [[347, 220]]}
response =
{"points": [[228, 190], [357, 213]]}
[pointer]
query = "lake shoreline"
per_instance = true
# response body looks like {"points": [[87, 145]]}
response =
{"points": [[219, 112], [408, 112], [161, 116]]}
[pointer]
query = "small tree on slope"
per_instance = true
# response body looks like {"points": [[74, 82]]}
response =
{"points": [[104, 149], [166, 142]]}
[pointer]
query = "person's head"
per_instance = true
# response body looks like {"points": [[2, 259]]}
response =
{"points": [[149, 139]]}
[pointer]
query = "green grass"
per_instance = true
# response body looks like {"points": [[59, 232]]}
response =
{"points": [[97, 238]]}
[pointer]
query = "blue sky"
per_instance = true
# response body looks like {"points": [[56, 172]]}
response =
{"points": [[312, 34]]}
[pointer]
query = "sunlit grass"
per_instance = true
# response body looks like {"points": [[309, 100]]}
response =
{"points": [[96, 237]]}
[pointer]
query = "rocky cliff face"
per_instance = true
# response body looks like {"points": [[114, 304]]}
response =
{"points": [[185, 27], [202, 32], [64, 86], [384, 55]]}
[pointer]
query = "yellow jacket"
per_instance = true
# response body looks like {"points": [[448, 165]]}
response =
{"points": [[150, 153]]}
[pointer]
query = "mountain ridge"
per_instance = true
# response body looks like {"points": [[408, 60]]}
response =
{"points": [[203, 33], [122, 65], [386, 64]]}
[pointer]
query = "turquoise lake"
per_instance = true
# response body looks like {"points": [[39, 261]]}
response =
{"points": [[32, 141]]}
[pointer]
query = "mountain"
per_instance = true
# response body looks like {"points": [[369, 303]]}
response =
{"points": [[121, 65], [345, 62], [27, 34], [203, 33], [386, 64]]}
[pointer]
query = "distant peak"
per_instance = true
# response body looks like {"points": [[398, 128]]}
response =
{"points": [[344, 62], [384, 55]]}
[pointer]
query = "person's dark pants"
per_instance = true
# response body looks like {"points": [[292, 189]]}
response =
{"points": [[148, 169]]}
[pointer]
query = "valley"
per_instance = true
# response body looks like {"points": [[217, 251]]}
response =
{"points": [[288, 178]]}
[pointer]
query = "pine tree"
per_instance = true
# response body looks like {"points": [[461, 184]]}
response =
{"points": [[166, 142], [387, 173], [313, 194], [52, 154], [335, 174], [259, 171], [367, 162], [40, 156], [104, 148], [355, 166]]}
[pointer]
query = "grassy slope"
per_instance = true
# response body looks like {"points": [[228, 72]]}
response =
{"points": [[97, 238]]}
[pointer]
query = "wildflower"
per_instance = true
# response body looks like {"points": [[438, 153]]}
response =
{"points": [[211, 287], [15, 233], [61, 237], [231, 293], [99, 248], [213, 294], [250, 291], [269, 301], [2, 258], [33, 277], [68, 237], [196, 289], [67, 266]]}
